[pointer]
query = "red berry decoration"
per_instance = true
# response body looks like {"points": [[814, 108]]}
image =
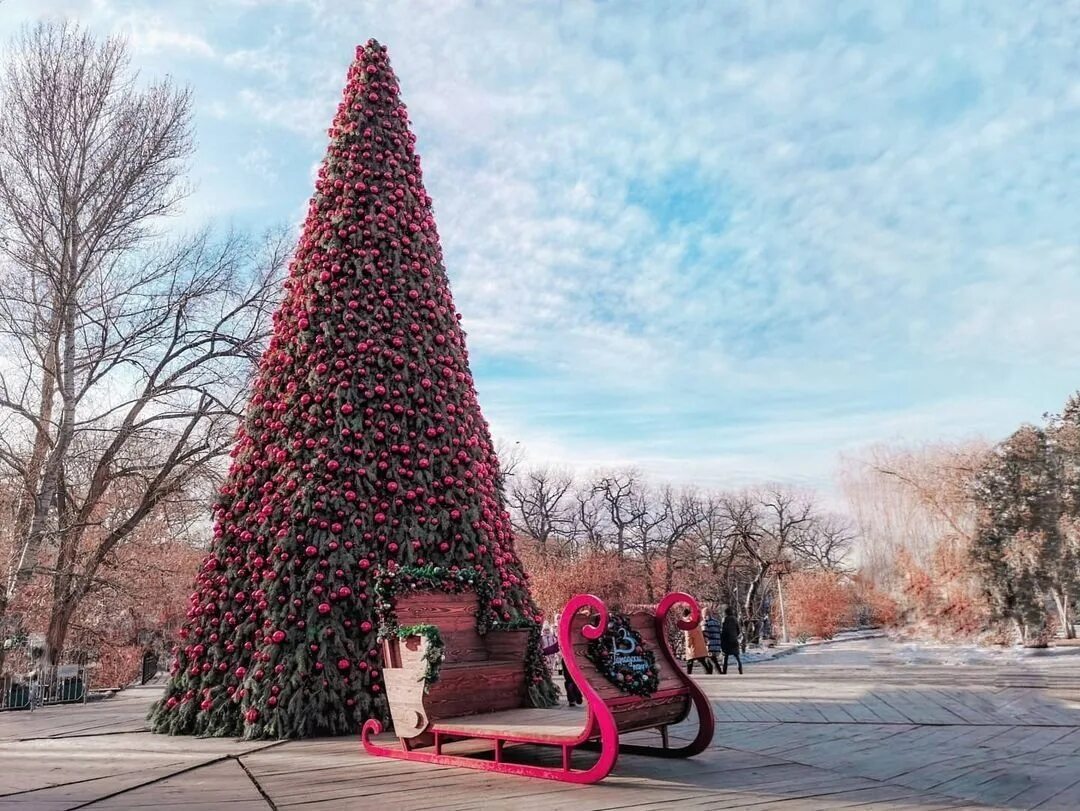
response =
{"points": [[362, 445]]}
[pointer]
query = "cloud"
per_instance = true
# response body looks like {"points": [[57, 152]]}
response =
{"points": [[152, 39], [1022, 304], [841, 186], [260, 161], [720, 240], [271, 61], [293, 114]]}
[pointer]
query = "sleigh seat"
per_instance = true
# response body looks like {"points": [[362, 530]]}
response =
{"points": [[481, 693]]}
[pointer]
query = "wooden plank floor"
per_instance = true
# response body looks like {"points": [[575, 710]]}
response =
{"points": [[866, 724]]}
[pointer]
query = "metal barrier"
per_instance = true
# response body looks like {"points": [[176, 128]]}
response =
{"points": [[14, 694], [150, 666], [65, 684], [58, 684]]}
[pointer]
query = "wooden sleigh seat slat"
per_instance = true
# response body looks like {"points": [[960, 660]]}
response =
{"points": [[556, 725], [481, 693], [467, 690]]}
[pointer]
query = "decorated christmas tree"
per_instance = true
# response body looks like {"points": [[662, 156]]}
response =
{"points": [[363, 454]]}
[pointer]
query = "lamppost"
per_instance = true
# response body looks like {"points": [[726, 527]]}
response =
{"points": [[783, 567]]}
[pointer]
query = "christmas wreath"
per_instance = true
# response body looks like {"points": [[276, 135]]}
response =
{"points": [[623, 660]]}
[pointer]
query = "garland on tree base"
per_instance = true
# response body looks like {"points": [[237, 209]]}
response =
{"points": [[622, 659]]}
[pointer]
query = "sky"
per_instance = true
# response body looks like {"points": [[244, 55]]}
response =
{"points": [[723, 242]]}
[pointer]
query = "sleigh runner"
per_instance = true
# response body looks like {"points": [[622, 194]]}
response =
{"points": [[624, 667]]}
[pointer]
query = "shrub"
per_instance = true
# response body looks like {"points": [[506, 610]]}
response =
{"points": [[554, 579], [118, 666], [817, 604]]}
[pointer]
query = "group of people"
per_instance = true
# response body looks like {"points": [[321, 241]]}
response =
{"points": [[703, 643], [710, 638]]}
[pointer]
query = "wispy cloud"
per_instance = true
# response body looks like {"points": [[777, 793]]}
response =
{"points": [[722, 241], [155, 40], [260, 161]]}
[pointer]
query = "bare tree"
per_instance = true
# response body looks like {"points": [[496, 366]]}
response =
{"points": [[683, 512], [132, 355], [767, 526], [649, 514], [510, 455], [1063, 431], [623, 505], [907, 501], [786, 520], [540, 500], [589, 529], [743, 516], [714, 545], [825, 543]]}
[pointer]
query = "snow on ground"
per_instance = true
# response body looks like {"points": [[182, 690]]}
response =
{"points": [[905, 651], [938, 653]]}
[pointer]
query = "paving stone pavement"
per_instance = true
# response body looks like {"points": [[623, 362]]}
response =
{"points": [[866, 724]]}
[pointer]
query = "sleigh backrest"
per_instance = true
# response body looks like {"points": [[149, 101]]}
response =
{"points": [[478, 673], [455, 617], [668, 704]]}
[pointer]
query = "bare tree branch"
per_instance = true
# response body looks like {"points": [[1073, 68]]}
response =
{"points": [[138, 350]]}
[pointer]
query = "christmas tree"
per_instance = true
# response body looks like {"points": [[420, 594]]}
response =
{"points": [[362, 452]]}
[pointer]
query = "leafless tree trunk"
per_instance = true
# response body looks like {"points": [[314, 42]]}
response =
{"points": [[683, 513], [133, 353], [785, 521], [645, 534], [588, 519], [540, 503], [741, 513], [1061, 603], [623, 506]]}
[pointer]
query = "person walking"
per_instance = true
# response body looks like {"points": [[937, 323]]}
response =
{"points": [[548, 637], [714, 637], [573, 692], [729, 639], [696, 649]]}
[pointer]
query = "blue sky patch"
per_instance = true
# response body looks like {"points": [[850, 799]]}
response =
{"points": [[721, 242]]}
